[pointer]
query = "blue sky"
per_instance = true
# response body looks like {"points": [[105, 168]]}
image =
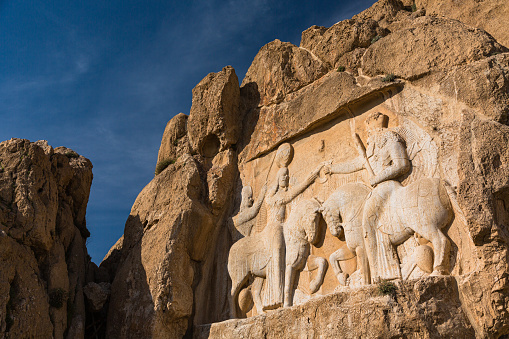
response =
{"points": [[104, 77]]}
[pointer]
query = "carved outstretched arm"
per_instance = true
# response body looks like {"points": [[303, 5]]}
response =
{"points": [[349, 166], [400, 164], [299, 188]]}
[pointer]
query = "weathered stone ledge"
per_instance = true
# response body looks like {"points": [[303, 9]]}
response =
{"points": [[424, 308]]}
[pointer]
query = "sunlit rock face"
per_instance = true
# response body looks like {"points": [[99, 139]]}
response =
{"points": [[43, 259], [354, 186]]}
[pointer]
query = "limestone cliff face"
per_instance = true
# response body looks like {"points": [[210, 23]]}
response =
{"points": [[438, 70], [43, 258]]}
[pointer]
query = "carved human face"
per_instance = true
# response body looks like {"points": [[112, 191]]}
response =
{"points": [[375, 121], [283, 177]]}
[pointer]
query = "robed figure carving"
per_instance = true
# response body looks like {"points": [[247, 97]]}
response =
{"points": [[262, 254], [385, 212]]}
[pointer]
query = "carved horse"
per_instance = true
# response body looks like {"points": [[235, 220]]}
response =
{"points": [[423, 207], [250, 255]]}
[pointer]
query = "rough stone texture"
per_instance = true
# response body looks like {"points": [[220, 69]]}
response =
{"points": [[155, 274], [384, 12], [483, 85], [329, 44], [214, 121], [317, 102], [97, 294], [281, 68], [431, 44], [429, 308], [173, 138], [163, 257], [489, 15], [43, 259], [169, 270]]}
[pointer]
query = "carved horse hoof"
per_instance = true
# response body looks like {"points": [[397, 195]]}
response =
{"points": [[438, 272], [342, 278]]}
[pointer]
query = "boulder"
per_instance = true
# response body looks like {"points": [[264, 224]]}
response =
{"points": [[490, 16], [432, 44], [329, 44], [281, 68], [97, 294], [214, 122], [173, 139]]}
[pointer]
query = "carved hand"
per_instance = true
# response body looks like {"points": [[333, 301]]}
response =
{"points": [[327, 167], [315, 173]]}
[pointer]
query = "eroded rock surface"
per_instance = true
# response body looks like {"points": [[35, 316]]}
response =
{"points": [[430, 44], [490, 16], [257, 168], [364, 313], [43, 258], [281, 68]]}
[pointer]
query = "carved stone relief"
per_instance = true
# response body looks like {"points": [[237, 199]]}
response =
{"points": [[373, 208]]}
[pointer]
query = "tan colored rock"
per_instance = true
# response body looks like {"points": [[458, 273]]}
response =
{"points": [[360, 313], [281, 68], [214, 122], [384, 12], [490, 16], [172, 139], [329, 44], [221, 179], [483, 85], [441, 139], [322, 100], [432, 44], [43, 199], [152, 292]]}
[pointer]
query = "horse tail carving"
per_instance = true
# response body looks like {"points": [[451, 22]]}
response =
{"points": [[453, 198]]}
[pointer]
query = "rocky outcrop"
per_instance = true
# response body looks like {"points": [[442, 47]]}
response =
{"points": [[329, 44], [442, 84], [490, 16], [151, 291], [360, 313], [281, 68], [174, 138], [430, 44], [300, 111], [214, 121], [43, 258], [163, 260]]}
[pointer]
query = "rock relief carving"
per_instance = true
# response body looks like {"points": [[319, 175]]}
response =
{"points": [[244, 220], [378, 217], [281, 247], [385, 194]]}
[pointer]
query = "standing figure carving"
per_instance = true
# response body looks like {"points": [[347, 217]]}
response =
{"points": [[262, 254], [278, 196]]}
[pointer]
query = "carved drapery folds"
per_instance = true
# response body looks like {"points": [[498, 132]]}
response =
{"points": [[363, 195]]}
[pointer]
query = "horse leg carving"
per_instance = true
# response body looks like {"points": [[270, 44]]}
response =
{"points": [[236, 287], [334, 259], [256, 289], [441, 247], [315, 262], [289, 282], [362, 263]]}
